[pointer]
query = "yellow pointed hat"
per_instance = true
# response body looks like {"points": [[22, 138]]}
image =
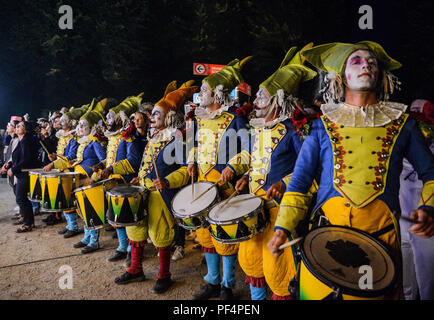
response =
{"points": [[290, 73], [76, 113], [229, 76], [332, 57], [95, 112], [129, 105], [174, 99]]}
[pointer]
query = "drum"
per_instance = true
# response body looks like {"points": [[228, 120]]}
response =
{"points": [[126, 205], [92, 204], [57, 189], [342, 263], [35, 193], [191, 215], [242, 218]]}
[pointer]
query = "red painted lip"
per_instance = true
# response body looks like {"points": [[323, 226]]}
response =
{"points": [[364, 74]]}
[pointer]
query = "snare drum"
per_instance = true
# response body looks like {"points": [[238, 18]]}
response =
{"points": [[57, 190], [92, 203], [191, 215], [342, 263], [126, 205], [35, 193], [242, 218]]}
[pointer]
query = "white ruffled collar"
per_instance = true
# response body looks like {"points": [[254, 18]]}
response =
{"points": [[203, 113], [62, 133], [260, 122], [84, 139], [376, 115], [163, 135]]}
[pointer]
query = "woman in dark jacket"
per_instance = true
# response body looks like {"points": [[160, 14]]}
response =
{"points": [[25, 156]]}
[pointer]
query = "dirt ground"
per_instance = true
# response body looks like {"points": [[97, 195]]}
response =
{"points": [[30, 263]]}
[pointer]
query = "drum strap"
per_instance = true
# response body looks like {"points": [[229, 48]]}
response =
{"points": [[383, 231]]}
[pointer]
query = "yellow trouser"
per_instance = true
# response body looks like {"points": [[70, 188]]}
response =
{"points": [[203, 234], [158, 224], [257, 261]]}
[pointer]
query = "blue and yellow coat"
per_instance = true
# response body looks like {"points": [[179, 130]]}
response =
{"points": [[359, 182], [272, 159], [123, 156], [159, 223], [214, 146]]}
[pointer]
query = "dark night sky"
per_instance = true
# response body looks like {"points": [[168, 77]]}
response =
{"points": [[152, 57]]}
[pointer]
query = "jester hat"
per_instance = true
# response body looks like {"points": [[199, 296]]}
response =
{"points": [[332, 57], [229, 76], [290, 73], [95, 112], [129, 105], [174, 98]]}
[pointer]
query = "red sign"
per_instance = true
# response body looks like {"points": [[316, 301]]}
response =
{"points": [[205, 69], [245, 88]]}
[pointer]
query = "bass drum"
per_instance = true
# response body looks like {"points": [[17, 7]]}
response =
{"points": [[343, 263]]}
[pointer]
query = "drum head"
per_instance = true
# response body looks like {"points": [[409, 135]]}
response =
{"points": [[182, 202], [236, 208], [93, 185], [56, 173], [125, 190], [335, 254]]}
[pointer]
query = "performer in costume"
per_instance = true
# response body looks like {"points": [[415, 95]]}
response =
{"points": [[123, 157], [216, 124], [358, 145], [159, 223], [67, 150], [140, 129], [89, 152], [417, 252], [274, 151]]}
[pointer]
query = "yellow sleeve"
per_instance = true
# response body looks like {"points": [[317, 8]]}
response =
{"points": [[293, 209], [61, 164], [178, 178], [427, 197], [123, 167], [240, 163]]}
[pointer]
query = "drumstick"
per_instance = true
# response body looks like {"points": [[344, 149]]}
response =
{"points": [[410, 220], [290, 243], [213, 185], [228, 199], [250, 198], [156, 170], [192, 186]]}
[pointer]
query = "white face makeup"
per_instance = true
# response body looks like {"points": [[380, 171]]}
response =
{"points": [[83, 128], [157, 117], [262, 103], [361, 71], [111, 121], [64, 122], [205, 96]]}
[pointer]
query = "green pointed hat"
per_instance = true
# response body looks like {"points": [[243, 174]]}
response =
{"points": [[95, 112], [76, 113], [290, 73], [332, 57], [129, 105], [229, 76]]}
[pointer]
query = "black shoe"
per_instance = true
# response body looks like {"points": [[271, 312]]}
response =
{"points": [[63, 231], [79, 245], [226, 294], [161, 285], [88, 249], [71, 233], [128, 277], [54, 221], [117, 256], [207, 291], [127, 262]]}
